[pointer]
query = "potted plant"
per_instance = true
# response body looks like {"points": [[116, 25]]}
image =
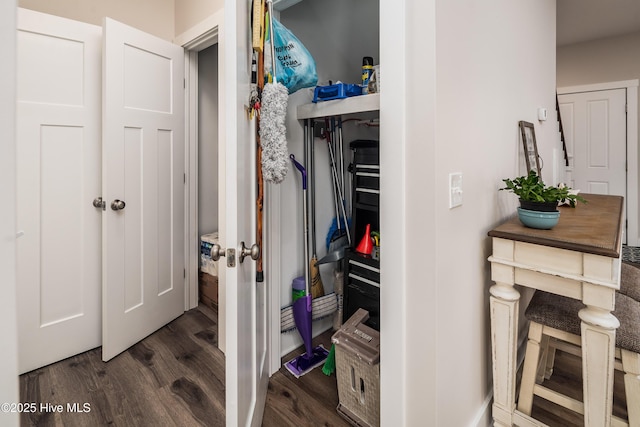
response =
{"points": [[539, 202]]}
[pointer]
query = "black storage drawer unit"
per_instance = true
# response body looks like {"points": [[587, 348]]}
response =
{"points": [[366, 152], [363, 268], [362, 287], [362, 272], [366, 173], [358, 295]]}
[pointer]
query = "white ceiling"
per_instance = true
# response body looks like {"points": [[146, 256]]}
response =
{"points": [[584, 20]]}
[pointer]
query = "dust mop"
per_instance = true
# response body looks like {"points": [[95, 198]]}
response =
{"points": [[302, 307], [272, 117], [321, 308]]}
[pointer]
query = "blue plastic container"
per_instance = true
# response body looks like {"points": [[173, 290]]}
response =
{"points": [[336, 91]]}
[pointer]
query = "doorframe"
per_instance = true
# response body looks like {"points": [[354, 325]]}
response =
{"points": [[205, 34], [9, 385], [631, 199]]}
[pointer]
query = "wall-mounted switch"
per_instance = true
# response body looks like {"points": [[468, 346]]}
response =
{"points": [[542, 114], [455, 189]]}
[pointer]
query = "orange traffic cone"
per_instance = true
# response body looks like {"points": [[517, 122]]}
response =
{"points": [[365, 246]]}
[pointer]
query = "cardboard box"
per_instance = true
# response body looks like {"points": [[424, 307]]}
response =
{"points": [[208, 289], [207, 264]]}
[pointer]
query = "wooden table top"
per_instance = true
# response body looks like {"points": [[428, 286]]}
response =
{"points": [[594, 227]]}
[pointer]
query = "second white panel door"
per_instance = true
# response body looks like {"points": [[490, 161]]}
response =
{"points": [[143, 185]]}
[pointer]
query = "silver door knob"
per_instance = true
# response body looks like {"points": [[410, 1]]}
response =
{"points": [[117, 205], [98, 203], [217, 251], [253, 251]]}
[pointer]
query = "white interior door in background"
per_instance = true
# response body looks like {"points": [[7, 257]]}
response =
{"points": [[247, 328], [143, 185], [58, 176], [595, 128]]}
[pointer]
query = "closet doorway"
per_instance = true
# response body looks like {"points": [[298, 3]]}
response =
{"points": [[207, 155]]}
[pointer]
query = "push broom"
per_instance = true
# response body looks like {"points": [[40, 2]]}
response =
{"points": [[302, 307]]}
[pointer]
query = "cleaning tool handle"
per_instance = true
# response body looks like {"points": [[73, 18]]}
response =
{"points": [[272, 39], [302, 170]]}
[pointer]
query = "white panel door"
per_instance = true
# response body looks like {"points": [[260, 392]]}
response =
{"points": [[143, 167], [246, 300], [595, 125], [58, 176]]}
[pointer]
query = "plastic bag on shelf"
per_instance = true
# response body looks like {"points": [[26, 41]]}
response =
{"points": [[295, 67]]}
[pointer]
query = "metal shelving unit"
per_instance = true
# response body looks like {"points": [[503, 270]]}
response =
{"points": [[339, 107]]}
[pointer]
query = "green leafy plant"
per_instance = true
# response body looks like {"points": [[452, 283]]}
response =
{"points": [[531, 188]]}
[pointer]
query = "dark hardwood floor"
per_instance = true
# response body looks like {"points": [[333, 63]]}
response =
{"points": [[310, 400], [567, 379], [175, 377]]}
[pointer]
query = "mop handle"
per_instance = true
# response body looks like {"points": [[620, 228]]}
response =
{"points": [[307, 274], [271, 38]]}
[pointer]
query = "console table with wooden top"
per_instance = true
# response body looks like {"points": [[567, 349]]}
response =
{"points": [[579, 258]]}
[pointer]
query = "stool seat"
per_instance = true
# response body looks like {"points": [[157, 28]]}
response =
{"points": [[554, 319], [630, 280], [562, 313]]}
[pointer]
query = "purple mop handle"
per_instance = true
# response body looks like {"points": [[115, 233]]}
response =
{"points": [[302, 170]]}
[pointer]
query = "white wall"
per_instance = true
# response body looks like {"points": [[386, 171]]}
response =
{"points": [[599, 61], [188, 13], [152, 16], [408, 307], [208, 140], [8, 325], [495, 66], [461, 75], [162, 18]]}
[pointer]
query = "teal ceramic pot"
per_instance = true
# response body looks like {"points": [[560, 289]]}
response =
{"points": [[538, 219]]}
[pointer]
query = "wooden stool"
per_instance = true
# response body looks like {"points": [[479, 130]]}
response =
{"points": [[556, 317]]}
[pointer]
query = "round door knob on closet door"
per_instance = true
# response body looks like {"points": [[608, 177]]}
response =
{"points": [[97, 202], [253, 251], [117, 205], [217, 251]]}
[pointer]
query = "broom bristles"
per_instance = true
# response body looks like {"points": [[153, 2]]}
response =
{"points": [[330, 364], [317, 288], [333, 230]]}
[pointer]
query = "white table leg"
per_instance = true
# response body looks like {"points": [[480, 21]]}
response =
{"points": [[598, 355], [504, 303]]}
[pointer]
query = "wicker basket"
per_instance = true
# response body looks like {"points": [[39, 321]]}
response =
{"points": [[358, 371]]}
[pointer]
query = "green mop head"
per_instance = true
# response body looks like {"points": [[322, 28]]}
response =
{"points": [[330, 364]]}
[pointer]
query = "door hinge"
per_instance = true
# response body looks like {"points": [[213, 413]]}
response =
{"points": [[184, 83], [184, 273], [185, 178]]}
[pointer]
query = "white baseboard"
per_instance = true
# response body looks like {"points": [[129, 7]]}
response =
{"points": [[483, 417]]}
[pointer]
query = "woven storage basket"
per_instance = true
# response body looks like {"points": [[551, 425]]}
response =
{"points": [[358, 371]]}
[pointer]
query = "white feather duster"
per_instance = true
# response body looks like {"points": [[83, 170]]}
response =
{"points": [[273, 132]]}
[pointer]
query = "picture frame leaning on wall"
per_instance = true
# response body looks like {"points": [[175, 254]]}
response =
{"points": [[531, 157]]}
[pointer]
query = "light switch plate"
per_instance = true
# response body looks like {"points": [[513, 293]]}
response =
{"points": [[455, 190]]}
